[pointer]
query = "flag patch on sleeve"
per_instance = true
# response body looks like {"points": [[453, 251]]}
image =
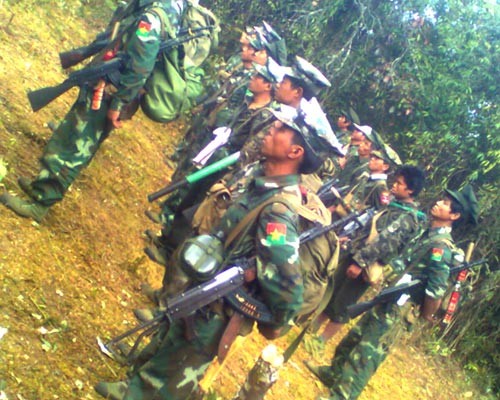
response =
{"points": [[276, 233], [143, 29], [437, 254]]}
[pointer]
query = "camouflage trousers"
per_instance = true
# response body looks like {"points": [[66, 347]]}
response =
{"points": [[70, 149], [171, 366], [363, 349]]}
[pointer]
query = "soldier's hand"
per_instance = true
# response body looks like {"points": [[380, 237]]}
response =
{"points": [[114, 118], [353, 271]]}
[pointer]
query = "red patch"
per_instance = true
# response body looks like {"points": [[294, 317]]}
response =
{"points": [[437, 254], [385, 198], [276, 233]]}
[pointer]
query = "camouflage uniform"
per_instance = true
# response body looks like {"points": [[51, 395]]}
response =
{"points": [[178, 363], [245, 123], [353, 168], [397, 226], [367, 344], [370, 191], [76, 140]]}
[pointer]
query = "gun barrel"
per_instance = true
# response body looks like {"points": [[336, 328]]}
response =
{"points": [[196, 176]]}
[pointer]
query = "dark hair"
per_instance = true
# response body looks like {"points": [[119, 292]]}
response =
{"points": [[306, 92], [414, 178]]}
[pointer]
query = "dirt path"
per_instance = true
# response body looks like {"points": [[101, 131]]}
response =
{"points": [[77, 275]]}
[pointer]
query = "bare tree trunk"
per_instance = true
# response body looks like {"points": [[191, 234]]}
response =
{"points": [[262, 376]]}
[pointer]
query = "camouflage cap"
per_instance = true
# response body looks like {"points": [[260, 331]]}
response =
{"points": [[351, 115], [388, 154], [467, 199], [314, 145], [308, 74], [371, 134], [272, 71], [265, 37]]}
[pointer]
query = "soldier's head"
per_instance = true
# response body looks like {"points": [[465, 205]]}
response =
{"points": [[409, 182], [346, 119], [268, 43], [265, 77], [381, 161], [456, 207], [292, 144], [301, 80], [366, 138], [247, 50]]}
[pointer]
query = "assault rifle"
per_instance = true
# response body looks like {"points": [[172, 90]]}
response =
{"points": [[196, 176], [102, 40], [328, 192], [227, 284], [392, 294], [349, 224], [41, 97]]}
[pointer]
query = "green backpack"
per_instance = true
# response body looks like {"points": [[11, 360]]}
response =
{"points": [[177, 78]]}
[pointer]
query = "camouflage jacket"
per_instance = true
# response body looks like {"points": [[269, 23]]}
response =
{"points": [[398, 224], [369, 191], [273, 239], [141, 46], [353, 168], [433, 256]]}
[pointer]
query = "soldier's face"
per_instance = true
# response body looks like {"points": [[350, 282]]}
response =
{"points": [[365, 148], [258, 84], [342, 122], [260, 57], [377, 165], [278, 142], [247, 51], [286, 93], [357, 137], [442, 211], [400, 190]]}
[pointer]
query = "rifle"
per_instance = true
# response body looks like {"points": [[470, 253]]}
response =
{"points": [[184, 304], [102, 40], [393, 293], [196, 176], [328, 191], [41, 97], [350, 224], [227, 284]]}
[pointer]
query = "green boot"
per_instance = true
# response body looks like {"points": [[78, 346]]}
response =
{"points": [[111, 390], [323, 373], [26, 209]]}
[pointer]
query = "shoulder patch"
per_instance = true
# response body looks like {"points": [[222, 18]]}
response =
{"points": [[437, 254], [276, 233], [385, 197]]}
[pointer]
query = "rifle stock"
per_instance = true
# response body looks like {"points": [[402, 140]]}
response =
{"points": [[41, 97]]}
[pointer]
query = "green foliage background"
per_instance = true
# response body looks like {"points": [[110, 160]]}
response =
{"points": [[424, 74]]}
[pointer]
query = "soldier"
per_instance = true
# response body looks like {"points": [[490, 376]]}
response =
{"points": [[390, 231], [185, 350], [250, 118], [364, 139], [370, 189], [367, 344], [257, 45], [76, 140], [345, 124]]}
